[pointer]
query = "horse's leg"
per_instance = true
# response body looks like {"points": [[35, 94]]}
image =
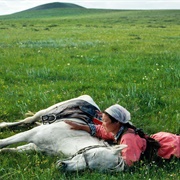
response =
{"points": [[28, 120], [26, 136], [24, 148], [36, 117]]}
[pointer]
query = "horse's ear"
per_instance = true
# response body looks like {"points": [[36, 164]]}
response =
{"points": [[118, 148]]}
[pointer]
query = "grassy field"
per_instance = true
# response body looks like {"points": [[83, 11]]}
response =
{"points": [[126, 57]]}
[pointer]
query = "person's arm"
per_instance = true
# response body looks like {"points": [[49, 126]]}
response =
{"points": [[94, 130]]}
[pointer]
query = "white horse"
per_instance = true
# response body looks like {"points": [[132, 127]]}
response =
{"points": [[58, 137]]}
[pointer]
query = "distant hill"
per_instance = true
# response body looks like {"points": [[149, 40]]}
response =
{"points": [[54, 5], [55, 9]]}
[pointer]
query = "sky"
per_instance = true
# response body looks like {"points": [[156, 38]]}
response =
{"points": [[12, 6]]}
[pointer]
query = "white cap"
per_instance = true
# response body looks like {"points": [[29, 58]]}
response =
{"points": [[119, 113]]}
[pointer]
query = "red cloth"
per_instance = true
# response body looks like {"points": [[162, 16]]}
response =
{"points": [[136, 145], [170, 144]]}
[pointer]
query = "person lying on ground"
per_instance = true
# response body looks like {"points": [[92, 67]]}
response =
{"points": [[116, 126]]}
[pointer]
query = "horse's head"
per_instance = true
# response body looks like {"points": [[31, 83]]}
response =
{"points": [[95, 158]]}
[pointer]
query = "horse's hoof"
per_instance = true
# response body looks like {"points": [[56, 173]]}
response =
{"points": [[3, 125]]}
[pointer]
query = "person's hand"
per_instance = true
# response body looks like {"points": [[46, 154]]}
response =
{"points": [[78, 126]]}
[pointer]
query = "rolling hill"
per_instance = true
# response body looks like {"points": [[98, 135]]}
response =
{"points": [[47, 10], [54, 5]]}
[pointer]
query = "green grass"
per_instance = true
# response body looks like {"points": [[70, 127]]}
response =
{"points": [[126, 57]]}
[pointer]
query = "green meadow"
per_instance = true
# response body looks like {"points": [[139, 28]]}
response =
{"points": [[126, 57]]}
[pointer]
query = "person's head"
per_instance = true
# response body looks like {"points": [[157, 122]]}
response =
{"points": [[114, 117]]}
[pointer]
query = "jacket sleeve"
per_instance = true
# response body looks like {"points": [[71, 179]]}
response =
{"points": [[101, 133]]}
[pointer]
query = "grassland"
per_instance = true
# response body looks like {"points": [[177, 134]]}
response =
{"points": [[126, 57]]}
